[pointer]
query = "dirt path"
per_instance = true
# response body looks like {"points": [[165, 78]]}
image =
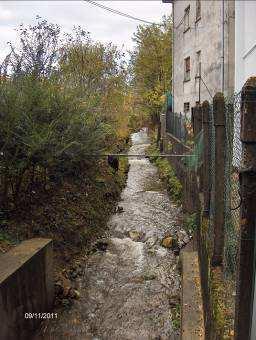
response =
{"points": [[127, 291]]}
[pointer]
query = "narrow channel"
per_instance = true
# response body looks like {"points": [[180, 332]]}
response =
{"points": [[128, 289]]}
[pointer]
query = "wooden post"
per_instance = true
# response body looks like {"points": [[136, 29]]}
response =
{"points": [[206, 157], [163, 132], [202, 236], [199, 117], [246, 267], [195, 121], [199, 129], [219, 214]]}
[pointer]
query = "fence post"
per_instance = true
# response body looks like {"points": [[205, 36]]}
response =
{"points": [[197, 128], [193, 119], [206, 157], [200, 127], [200, 118], [163, 132], [219, 210], [196, 120], [246, 267]]}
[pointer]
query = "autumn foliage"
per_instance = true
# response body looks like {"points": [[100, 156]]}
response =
{"points": [[62, 98], [151, 64]]}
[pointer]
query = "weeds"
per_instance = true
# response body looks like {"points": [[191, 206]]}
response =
{"points": [[167, 174], [176, 317], [190, 223]]}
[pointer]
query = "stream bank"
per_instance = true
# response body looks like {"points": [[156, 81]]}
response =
{"points": [[130, 286]]}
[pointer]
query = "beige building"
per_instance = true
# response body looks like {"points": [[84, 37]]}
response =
{"points": [[203, 51]]}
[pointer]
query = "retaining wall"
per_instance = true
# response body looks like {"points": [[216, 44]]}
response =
{"points": [[26, 288]]}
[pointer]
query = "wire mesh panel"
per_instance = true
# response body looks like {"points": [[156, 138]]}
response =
{"points": [[195, 159], [211, 177], [176, 125], [209, 231], [232, 196]]}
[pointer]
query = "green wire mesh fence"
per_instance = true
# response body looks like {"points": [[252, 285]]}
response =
{"points": [[195, 159], [177, 125]]}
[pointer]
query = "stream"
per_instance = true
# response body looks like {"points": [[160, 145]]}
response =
{"points": [[127, 290]]}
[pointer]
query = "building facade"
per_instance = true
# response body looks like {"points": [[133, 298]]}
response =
{"points": [[203, 51], [245, 51], [245, 67]]}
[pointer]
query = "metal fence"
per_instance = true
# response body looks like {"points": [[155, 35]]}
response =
{"points": [[218, 176], [215, 159], [176, 125], [232, 193], [232, 199]]}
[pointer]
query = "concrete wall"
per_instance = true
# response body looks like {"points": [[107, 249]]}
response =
{"points": [[205, 36], [245, 53], [26, 286], [192, 317]]}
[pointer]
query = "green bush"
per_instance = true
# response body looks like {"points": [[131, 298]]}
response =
{"points": [[59, 100]]}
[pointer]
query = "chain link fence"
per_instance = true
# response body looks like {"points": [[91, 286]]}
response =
{"points": [[232, 191], [210, 233], [178, 126]]}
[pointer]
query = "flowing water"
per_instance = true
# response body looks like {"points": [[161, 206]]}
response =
{"points": [[127, 291]]}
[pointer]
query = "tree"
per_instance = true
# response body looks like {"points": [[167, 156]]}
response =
{"points": [[62, 98], [38, 52], [97, 72], [151, 64]]}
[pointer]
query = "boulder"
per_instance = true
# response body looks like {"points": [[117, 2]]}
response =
{"points": [[151, 241], [135, 235], [167, 242], [170, 242]]}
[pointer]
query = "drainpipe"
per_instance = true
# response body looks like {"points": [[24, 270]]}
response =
{"points": [[222, 45]]}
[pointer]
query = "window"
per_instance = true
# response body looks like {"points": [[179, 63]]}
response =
{"points": [[186, 19], [186, 107], [198, 10], [198, 64], [187, 69]]}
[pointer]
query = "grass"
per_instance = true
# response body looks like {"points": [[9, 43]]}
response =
{"points": [[6, 241], [176, 317], [167, 174], [190, 223], [218, 305]]}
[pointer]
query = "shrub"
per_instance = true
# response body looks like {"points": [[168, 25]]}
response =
{"points": [[61, 100]]}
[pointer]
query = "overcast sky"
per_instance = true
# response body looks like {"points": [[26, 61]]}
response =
{"points": [[104, 26]]}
